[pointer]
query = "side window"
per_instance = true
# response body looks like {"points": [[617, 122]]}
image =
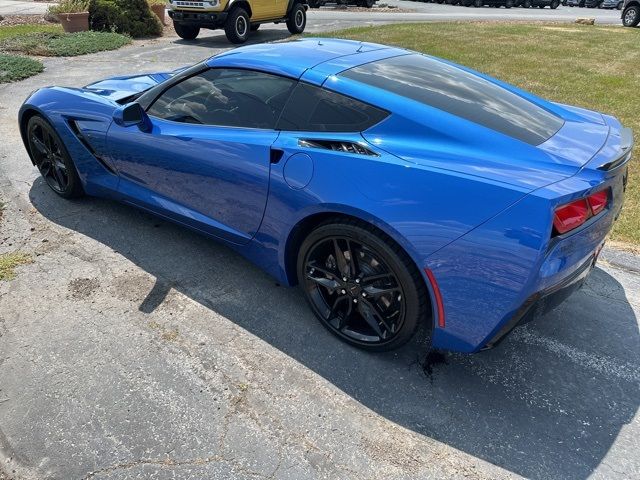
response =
{"points": [[225, 97], [312, 108]]}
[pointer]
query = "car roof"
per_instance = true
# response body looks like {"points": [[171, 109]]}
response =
{"points": [[323, 56]]}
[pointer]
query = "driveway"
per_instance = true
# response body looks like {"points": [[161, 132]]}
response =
{"points": [[134, 349]]}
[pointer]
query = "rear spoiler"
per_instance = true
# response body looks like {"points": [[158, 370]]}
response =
{"points": [[626, 146]]}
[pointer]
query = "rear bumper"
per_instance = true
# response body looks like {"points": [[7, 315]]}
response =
{"points": [[199, 19], [545, 300]]}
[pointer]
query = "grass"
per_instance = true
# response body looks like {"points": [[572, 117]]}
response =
{"points": [[15, 67], [57, 44], [11, 31], [589, 66], [9, 262]]}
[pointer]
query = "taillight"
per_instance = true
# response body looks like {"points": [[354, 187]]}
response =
{"points": [[572, 215], [598, 201]]}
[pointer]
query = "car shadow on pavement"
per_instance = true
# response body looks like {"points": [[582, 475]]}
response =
{"points": [[217, 39], [547, 403]]}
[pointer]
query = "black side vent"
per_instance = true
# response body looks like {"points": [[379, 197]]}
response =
{"points": [[74, 128], [338, 146]]}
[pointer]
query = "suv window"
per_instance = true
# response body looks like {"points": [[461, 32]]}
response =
{"points": [[460, 93], [225, 97], [312, 108]]}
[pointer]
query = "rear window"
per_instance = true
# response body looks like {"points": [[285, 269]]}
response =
{"points": [[460, 93], [315, 109]]}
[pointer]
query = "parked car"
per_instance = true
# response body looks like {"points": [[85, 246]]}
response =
{"points": [[491, 3], [358, 3], [236, 17], [395, 188], [612, 4], [631, 13], [553, 4], [584, 3]]}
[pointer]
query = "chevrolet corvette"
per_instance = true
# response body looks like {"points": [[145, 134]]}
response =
{"points": [[397, 189]]}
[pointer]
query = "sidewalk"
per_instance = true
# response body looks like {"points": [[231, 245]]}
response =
{"points": [[20, 7]]}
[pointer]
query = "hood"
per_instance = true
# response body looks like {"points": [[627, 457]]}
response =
{"points": [[119, 88]]}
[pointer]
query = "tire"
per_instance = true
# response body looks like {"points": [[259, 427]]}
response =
{"points": [[554, 4], [237, 26], [186, 32], [619, 6], [255, 27], [631, 16], [509, 4], [297, 19], [477, 3], [346, 309], [52, 158], [527, 4]]}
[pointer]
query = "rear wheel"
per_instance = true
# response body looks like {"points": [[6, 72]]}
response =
{"points": [[186, 32], [297, 19], [237, 25], [631, 16], [361, 285], [52, 159]]}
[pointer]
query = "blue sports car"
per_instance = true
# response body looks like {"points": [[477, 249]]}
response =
{"points": [[396, 188]]}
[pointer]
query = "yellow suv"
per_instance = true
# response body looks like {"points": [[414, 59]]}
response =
{"points": [[237, 17]]}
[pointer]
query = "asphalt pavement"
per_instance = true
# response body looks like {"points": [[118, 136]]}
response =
{"points": [[134, 349]]}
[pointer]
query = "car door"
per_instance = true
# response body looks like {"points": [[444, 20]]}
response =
{"points": [[205, 160]]}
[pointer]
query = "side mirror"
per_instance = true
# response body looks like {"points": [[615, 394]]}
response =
{"points": [[132, 114]]}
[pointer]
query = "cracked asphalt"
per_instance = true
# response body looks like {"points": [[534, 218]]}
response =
{"points": [[134, 349]]}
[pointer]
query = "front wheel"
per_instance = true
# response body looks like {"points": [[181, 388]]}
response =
{"points": [[631, 16], [361, 285], [237, 26], [52, 159], [186, 32], [297, 19]]}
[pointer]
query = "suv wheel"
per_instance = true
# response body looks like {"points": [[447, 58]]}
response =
{"points": [[509, 4], [554, 4], [297, 19], [186, 32], [631, 16], [477, 3], [527, 4], [237, 26], [619, 6]]}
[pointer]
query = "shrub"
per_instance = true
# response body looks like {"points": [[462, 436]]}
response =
{"points": [[69, 6], [13, 68], [132, 17], [55, 44]]}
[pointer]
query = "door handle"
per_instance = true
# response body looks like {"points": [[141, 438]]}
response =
{"points": [[276, 155]]}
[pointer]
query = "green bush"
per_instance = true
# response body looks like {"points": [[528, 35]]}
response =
{"points": [[50, 44], [13, 68], [131, 17]]}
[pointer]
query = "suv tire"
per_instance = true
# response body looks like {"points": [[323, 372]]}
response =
{"points": [[554, 4], [631, 16], [186, 32], [297, 19], [237, 26]]}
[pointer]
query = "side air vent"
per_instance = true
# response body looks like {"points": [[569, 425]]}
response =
{"points": [[76, 130], [338, 146]]}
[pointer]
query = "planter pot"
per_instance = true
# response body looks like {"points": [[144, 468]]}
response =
{"points": [[159, 10], [74, 22]]}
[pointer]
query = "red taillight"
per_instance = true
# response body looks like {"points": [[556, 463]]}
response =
{"points": [[438, 297], [572, 215], [598, 201]]}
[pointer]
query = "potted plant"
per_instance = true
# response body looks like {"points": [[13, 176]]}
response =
{"points": [[72, 14], [158, 7]]}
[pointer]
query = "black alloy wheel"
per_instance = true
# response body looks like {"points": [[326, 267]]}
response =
{"points": [[297, 19], [52, 159], [237, 26], [361, 286]]}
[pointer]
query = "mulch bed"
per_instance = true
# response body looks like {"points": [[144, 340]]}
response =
{"points": [[24, 19]]}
